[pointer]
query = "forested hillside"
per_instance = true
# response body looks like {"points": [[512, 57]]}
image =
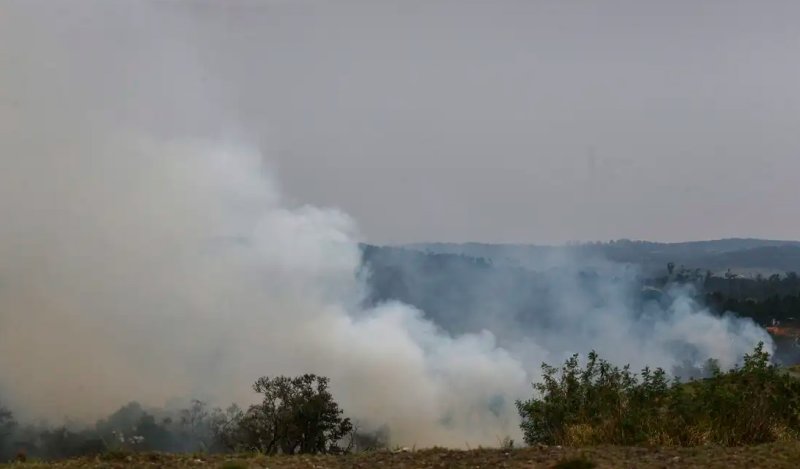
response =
{"points": [[498, 292], [747, 256]]}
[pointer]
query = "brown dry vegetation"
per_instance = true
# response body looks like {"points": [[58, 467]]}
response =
{"points": [[776, 455]]}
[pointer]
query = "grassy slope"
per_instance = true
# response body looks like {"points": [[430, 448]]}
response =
{"points": [[778, 455]]}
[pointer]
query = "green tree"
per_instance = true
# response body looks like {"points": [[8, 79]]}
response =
{"points": [[296, 415], [604, 404]]}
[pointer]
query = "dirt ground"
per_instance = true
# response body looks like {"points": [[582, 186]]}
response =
{"points": [[783, 455]]}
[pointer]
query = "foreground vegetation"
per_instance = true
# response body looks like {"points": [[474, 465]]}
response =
{"points": [[296, 415], [594, 415], [783, 455], [603, 404]]}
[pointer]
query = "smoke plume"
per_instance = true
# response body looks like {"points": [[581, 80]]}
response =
{"points": [[141, 261], [148, 270]]}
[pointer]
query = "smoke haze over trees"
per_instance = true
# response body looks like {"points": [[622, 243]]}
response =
{"points": [[747, 257], [137, 242], [149, 254]]}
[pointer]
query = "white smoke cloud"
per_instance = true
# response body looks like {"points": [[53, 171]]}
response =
{"points": [[148, 271], [140, 263], [144, 270]]}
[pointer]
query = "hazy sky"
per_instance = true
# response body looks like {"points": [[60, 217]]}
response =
{"points": [[529, 121]]}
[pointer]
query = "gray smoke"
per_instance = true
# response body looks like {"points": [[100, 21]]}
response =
{"points": [[151, 270], [144, 256], [138, 269]]}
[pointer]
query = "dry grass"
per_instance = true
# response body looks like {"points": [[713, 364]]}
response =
{"points": [[776, 455]]}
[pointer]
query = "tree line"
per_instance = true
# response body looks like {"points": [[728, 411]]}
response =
{"points": [[295, 415], [762, 298], [577, 405]]}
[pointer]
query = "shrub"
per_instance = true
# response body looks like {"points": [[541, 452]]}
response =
{"points": [[296, 415], [604, 404]]}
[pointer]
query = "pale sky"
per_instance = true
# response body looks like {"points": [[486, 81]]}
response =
{"points": [[496, 121]]}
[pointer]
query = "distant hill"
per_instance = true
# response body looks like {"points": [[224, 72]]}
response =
{"points": [[743, 256], [517, 291], [455, 290]]}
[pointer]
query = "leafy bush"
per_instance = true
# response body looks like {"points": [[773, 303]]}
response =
{"points": [[296, 415], [604, 404]]}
